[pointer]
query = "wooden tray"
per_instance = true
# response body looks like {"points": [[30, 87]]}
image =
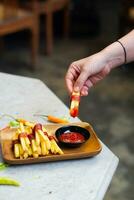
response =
{"points": [[91, 148]]}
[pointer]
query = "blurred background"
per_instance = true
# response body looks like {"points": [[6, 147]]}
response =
{"points": [[40, 38]]}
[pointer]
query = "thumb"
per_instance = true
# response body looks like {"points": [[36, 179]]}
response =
{"points": [[80, 81]]}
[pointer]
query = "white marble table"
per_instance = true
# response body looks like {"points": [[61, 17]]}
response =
{"points": [[85, 179]]}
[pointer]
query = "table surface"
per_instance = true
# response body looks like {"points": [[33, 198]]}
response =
{"points": [[83, 179]]}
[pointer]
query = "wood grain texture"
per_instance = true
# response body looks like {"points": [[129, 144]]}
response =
{"points": [[91, 148]]}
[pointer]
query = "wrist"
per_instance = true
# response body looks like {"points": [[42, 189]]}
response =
{"points": [[114, 55]]}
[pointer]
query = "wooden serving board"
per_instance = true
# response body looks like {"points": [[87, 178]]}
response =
{"points": [[91, 148]]}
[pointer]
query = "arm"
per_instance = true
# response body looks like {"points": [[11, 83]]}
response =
{"points": [[115, 53], [85, 73]]}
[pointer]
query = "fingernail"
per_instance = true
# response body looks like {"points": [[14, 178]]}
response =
{"points": [[76, 89], [86, 93]]}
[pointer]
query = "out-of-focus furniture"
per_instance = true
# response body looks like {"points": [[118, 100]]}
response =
{"points": [[47, 8], [14, 19], [127, 16]]}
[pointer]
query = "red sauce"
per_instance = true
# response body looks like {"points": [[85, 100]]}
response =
{"points": [[72, 137], [75, 98], [74, 112]]}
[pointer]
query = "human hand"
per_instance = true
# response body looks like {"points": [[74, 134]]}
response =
{"points": [[85, 73]]}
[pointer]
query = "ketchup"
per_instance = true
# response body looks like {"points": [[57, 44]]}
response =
{"points": [[74, 112], [75, 101], [72, 137]]}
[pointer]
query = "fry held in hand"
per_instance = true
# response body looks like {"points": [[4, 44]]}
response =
{"points": [[75, 101]]}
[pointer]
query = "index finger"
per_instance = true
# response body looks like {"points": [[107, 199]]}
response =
{"points": [[69, 82], [70, 78]]}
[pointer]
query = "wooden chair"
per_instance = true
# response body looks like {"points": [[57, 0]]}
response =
{"points": [[14, 19], [47, 8]]}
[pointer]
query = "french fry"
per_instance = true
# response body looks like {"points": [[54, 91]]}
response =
{"points": [[33, 140], [37, 127], [39, 150], [30, 151], [22, 137], [34, 147], [58, 150], [37, 138], [18, 130], [16, 150], [29, 124], [35, 155], [23, 142], [20, 120], [43, 148], [45, 138], [21, 150], [25, 155], [54, 147], [28, 130], [25, 122], [22, 127], [27, 141], [74, 107], [16, 145]]}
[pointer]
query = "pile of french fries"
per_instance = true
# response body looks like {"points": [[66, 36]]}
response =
{"points": [[33, 140]]}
